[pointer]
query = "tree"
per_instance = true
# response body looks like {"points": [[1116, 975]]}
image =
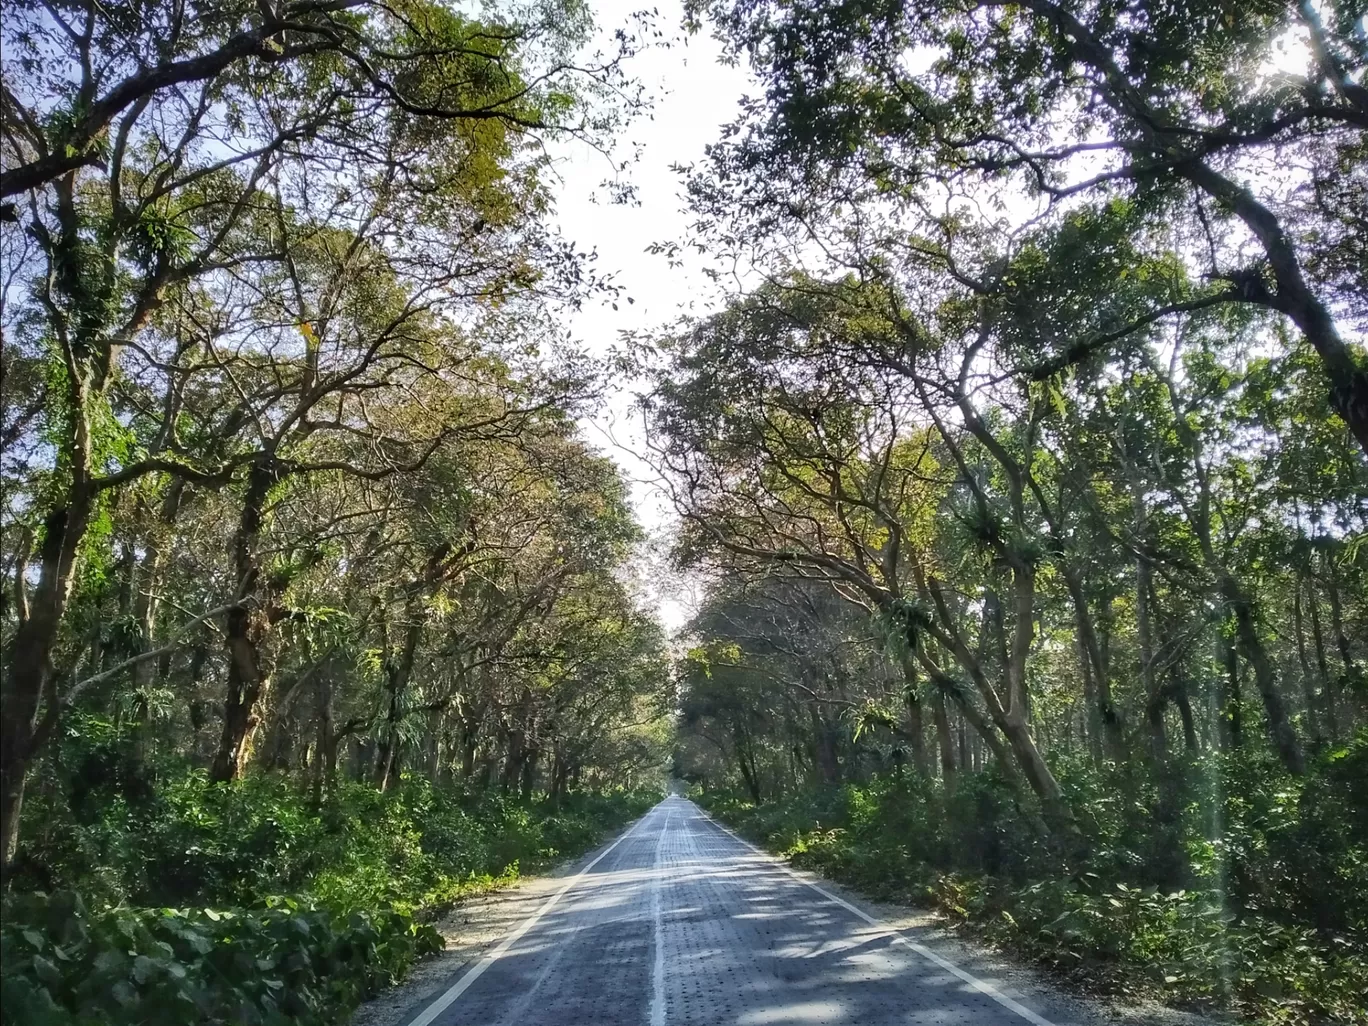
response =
{"points": [[850, 434], [788, 447], [229, 232], [1009, 114]]}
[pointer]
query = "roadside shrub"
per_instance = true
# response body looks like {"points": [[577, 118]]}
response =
{"points": [[1187, 945], [1234, 885], [292, 961], [188, 924]]}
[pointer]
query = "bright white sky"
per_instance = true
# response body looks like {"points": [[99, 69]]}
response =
{"points": [[694, 95]]}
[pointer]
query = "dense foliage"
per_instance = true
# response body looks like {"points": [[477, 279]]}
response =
{"points": [[284, 963], [318, 610], [1248, 925], [291, 465], [249, 903], [1028, 476], [1026, 479]]}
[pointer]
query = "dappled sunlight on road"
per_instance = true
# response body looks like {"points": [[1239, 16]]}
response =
{"points": [[681, 923]]}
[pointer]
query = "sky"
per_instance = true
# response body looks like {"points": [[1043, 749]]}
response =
{"points": [[693, 96]]}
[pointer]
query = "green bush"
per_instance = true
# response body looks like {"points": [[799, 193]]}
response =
{"points": [[184, 879], [289, 962], [1186, 945], [1235, 886]]}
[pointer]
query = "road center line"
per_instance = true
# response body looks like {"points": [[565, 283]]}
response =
{"points": [[981, 986], [658, 969], [428, 1014]]}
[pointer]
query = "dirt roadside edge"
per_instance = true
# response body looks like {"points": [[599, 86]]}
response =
{"points": [[471, 929]]}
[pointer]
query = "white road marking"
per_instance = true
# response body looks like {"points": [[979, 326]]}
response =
{"points": [[427, 1015], [658, 969], [980, 985]]}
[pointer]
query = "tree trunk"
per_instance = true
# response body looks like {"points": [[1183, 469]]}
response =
{"points": [[1352, 672], [325, 745], [1011, 721], [468, 746], [1042, 781], [997, 635], [529, 774], [945, 741], [748, 770], [29, 673], [1265, 677], [246, 687], [436, 734], [245, 628], [397, 674], [1092, 708], [1154, 722], [1230, 701], [1337, 620], [1016, 723], [1308, 681], [916, 733], [149, 580], [1184, 704], [1178, 691], [110, 651], [824, 747], [557, 784], [197, 707], [992, 740], [512, 762], [1156, 697]]}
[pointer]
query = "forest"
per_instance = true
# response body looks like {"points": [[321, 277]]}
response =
{"points": [[1030, 485], [319, 608], [1023, 472]]}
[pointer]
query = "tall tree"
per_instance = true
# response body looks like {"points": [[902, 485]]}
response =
{"points": [[233, 228], [957, 114]]}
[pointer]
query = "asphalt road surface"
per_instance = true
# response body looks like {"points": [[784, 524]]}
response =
{"points": [[681, 923]]}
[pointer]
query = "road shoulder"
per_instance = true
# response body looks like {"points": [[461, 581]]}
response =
{"points": [[1011, 976], [471, 930], [1022, 982]]}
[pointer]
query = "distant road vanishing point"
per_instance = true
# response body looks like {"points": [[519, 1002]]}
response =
{"points": [[679, 922]]}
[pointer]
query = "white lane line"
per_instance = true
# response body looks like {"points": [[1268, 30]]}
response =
{"points": [[428, 1014], [658, 969], [981, 986]]}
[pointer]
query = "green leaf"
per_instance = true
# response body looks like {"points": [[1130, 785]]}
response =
{"points": [[46, 971], [144, 968]]}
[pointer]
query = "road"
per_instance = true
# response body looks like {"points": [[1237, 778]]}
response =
{"points": [[681, 923]]}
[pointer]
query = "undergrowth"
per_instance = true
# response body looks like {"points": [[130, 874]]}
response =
{"points": [[1254, 899], [177, 901]]}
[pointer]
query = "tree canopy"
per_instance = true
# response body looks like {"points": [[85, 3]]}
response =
{"points": [[1024, 471], [291, 467], [1027, 473]]}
